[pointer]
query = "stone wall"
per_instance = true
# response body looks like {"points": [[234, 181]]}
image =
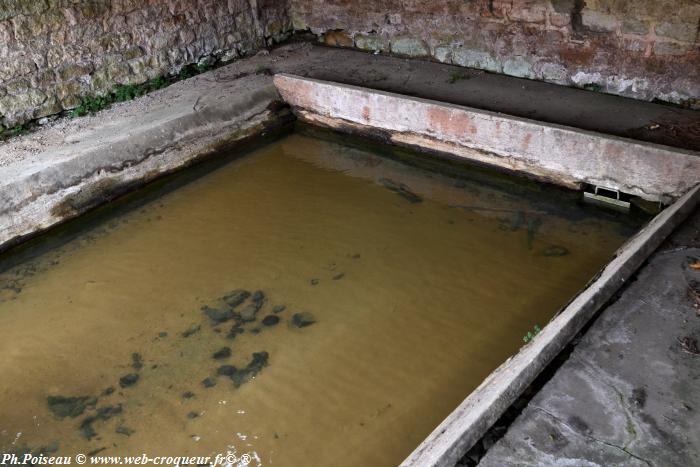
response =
{"points": [[53, 52], [647, 49]]}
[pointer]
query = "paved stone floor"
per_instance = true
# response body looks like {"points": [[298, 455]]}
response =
{"points": [[629, 393]]}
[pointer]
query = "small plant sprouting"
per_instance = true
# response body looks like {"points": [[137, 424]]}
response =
{"points": [[158, 83], [457, 76], [531, 334], [127, 92], [595, 87], [121, 93], [193, 69], [17, 130], [263, 70]]}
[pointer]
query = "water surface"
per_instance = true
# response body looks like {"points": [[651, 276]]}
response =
{"points": [[402, 289]]}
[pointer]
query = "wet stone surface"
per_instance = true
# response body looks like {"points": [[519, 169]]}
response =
{"points": [[401, 189], [240, 306], [258, 362], [129, 380], [70, 406], [303, 319], [102, 414], [270, 320], [191, 331], [123, 430], [555, 250], [208, 382], [224, 352], [235, 330], [599, 408], [136, 361]]}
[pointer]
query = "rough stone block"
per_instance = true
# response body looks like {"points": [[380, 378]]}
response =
{"points": [[17, 86], [443, 53], [634, 26], [16, 65], [563, 6], [598, 21], [551, 151], [69, 94], [553, 72], [534, 14], [475, 59], [139, 67], [371, 42], [685, 32], [237, 6], [299, 22], [133, 52], [99, 83], [518, 66], [410, 46], [11, 8], [559, 19], [6, 36], [117, 73], [670, 48], [338, 39], [50, 106], [73, 70], [16, 107]]}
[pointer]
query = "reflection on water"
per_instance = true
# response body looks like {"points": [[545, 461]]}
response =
{"points": [[309, 304]]}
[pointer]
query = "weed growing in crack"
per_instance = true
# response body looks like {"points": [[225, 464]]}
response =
{"points": [[531, 334], [457, 76]]}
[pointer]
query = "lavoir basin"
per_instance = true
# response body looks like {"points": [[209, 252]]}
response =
{"points": [[318, 300]]}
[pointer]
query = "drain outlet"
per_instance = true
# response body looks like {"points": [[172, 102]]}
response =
{"points": [[606, 197]]}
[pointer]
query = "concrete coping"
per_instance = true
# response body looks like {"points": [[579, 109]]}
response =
{"points": [[555, 153], [475, 415], [129, 145]]}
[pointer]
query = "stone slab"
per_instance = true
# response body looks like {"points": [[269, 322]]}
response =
{"points": [[589, 110], [99, 158], [628, 394], [554, 153]]}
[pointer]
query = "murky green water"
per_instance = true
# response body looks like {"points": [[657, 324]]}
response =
{"points": [[386, 294]]}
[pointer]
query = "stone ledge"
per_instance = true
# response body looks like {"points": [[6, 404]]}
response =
{"points": [[555, 153], [468, 422], [178, 126]]}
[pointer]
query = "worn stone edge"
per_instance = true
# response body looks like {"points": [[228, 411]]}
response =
{"points": [[421, 143], [196, 139], [291, 87], [475, 415]]}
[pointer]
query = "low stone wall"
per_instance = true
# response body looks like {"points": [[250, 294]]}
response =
{"points": [[71, 166], [54, 52], [646, 49], [557, 154]]}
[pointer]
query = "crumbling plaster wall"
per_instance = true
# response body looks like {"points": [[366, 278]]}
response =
{"points": [[54, 52], [646, 49]]}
